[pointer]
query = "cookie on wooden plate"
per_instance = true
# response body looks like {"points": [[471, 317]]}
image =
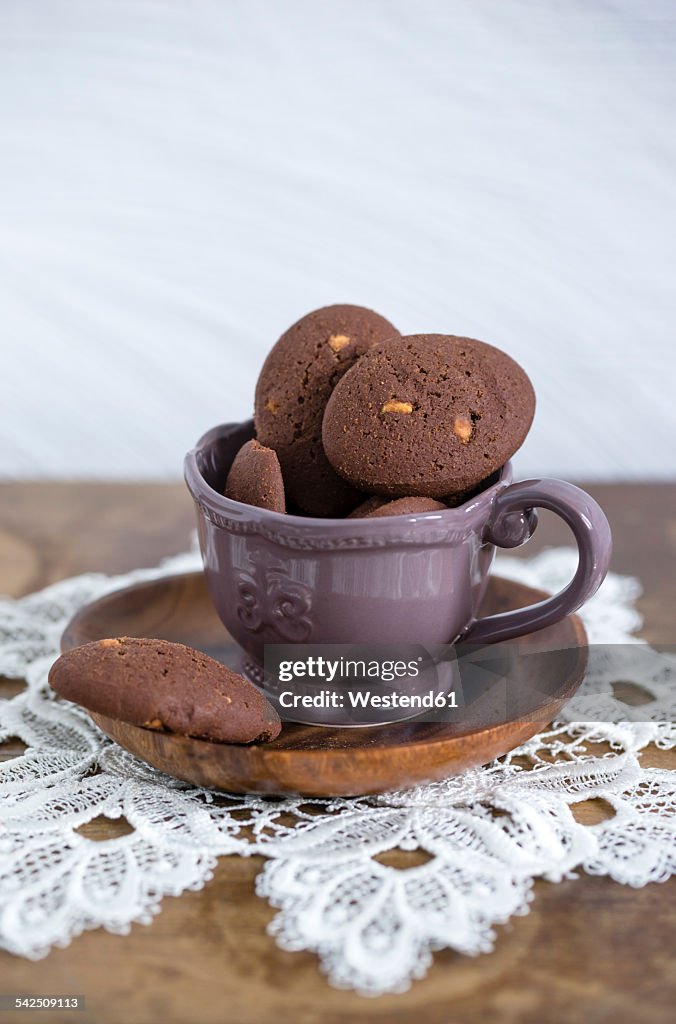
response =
{"points": [[164, 686]]}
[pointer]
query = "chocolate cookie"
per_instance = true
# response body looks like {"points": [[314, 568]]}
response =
{"points": [[428, 415], [294, 386], [164, 686], [255, 478], [372, 503], [375, 507]]}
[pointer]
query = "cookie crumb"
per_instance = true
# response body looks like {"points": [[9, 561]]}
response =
{"points": [[462, 428], [112, 642], [394, 405], [271, 406], [154, 723], [338, 341]]}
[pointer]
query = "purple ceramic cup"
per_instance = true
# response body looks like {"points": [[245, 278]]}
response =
{"points": [[415, 579]]}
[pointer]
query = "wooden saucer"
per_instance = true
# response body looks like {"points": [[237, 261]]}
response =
{"points": [[307, 759]]}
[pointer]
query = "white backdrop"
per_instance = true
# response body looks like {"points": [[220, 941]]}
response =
{"points": [[179, 181]]}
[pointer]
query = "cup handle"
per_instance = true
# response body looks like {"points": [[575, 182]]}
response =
{"points": [[511, 510]]}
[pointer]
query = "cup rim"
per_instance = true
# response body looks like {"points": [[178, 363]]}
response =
{"points": [[204, 493]]}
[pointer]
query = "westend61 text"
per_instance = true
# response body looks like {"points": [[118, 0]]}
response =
{"points": [[366, 699]]}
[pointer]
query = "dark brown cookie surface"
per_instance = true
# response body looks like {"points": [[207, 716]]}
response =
{"points": [[293, 388], [255, 478], [165, 686], [377, 507], [427, 415], [372, 503]]}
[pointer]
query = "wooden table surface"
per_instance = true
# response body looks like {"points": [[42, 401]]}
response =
{"points": [[590, 950]]}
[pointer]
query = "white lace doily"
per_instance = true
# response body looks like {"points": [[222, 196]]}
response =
{"points": [[487, 833]]}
